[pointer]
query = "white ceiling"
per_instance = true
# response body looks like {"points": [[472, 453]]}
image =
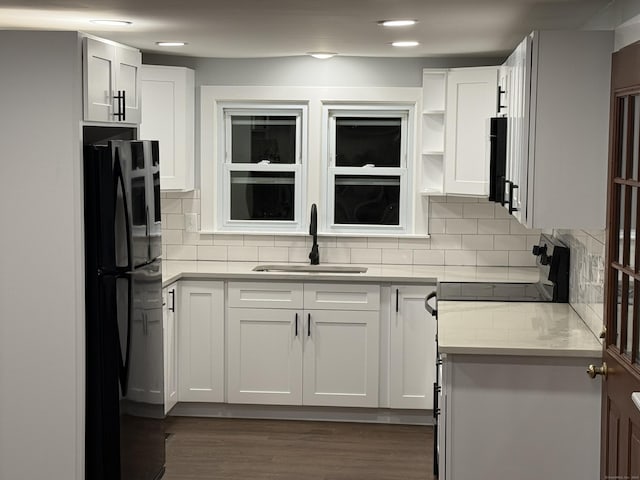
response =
{"points": [[274, 28]]}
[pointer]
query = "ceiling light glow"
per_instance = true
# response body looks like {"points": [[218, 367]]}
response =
{"points": [[112, 23], [397, 23], [405, 44], [322, 55], [171, 44]]}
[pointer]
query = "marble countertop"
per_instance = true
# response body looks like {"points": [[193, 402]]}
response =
{"points": [[415, 274], [514, 328]]}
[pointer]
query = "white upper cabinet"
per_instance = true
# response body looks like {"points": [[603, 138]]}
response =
{"points": [[471, 102], [168, 116], [111, 82], [557, 87], [457, 104]]}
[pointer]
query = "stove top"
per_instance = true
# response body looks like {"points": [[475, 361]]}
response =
{"points": [[552, 260]]}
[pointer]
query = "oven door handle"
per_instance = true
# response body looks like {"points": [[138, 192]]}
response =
{"points": [[429, 308]]}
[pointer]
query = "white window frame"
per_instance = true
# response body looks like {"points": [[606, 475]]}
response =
{"points": [[226, 167], [369, 110]]}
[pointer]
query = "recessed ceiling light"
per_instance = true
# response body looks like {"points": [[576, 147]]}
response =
{"points": [[112, 23], [397, 23], [405, 44], [322, 55], [171, 44]]}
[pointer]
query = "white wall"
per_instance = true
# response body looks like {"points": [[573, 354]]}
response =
{"points": [[41, 261]]}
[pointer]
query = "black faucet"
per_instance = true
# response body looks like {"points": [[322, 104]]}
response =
{"points": [[314, 256]]}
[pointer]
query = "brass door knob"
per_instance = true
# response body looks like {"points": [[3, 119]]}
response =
{"points": [[593, 371]]}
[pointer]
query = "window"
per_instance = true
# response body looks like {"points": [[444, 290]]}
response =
{"points": [[262, 168], [367, 169]]}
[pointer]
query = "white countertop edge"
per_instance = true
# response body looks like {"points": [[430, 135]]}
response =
{"points": [[522, 351]]}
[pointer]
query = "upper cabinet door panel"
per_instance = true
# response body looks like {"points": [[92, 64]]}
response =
{"points": [[98, 71], [128, 66], [471, 102]]}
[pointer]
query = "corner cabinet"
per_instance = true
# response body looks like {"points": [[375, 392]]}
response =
{"points": [[557, 93], [111, 82], [412, 353], [168, 102], [309, 344], [456, 106], [201, 341]]}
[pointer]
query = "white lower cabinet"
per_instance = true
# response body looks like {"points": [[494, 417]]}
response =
{"points": [[292, 356], [170, 340], [412, 351], [201, 341], [265, 356]]}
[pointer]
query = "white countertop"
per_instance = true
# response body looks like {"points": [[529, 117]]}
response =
{"points": [[173, 270], [514, 328]]}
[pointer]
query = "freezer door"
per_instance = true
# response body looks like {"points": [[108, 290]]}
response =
{"points": [[155, 224]]}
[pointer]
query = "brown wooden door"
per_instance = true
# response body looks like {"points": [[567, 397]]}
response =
{"points": [[620, 448]]}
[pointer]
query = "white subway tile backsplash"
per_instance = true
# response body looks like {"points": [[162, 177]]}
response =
{"points": [[462, 199], [428, 257], [374, 242], [366, 255], [351, 242], [477, 242], [414, 243], [300, 255], [170, 205], [335, 255], [478, 210], [492, 258], [445, 210], [460, 257], [190, 238], [172, 237], [259, 240], [212, 252], [521, 259], [273, 254], [518, 229], [437, 225], [242, 254], [462, 225], [493, 226], [174, 222], [326, 242], [446, 242], [502, 212], [510, 242], [232, 240], [191, 205], [291, 241], [397, 257], [182, 252]]}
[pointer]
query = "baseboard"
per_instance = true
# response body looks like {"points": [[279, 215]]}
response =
{"points": [[288, 412]]}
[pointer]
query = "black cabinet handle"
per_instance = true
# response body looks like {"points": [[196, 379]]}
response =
{"points": [[500, 93], [296, 324], [309, 325], [120, 113], [512, 187], [429, 308], [124, 106], [172, 308], [397, 294]]}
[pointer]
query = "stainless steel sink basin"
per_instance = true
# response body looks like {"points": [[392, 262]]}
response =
{"points": [[309, 268]]}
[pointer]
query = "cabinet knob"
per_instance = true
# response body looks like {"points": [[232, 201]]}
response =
{"points": [[594, 371]]}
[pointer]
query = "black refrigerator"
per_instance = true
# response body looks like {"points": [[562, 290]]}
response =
{"points": [[125, 437]]}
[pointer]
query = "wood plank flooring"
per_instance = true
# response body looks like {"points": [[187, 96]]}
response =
{"points": [[236, 449]]}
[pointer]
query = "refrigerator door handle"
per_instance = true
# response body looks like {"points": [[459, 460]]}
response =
{"points": [[119, 179], [124, 366]]}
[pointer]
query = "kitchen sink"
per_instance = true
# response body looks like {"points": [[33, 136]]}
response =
{"points": [[310, 268]]}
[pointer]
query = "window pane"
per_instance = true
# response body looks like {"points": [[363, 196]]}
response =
{"points": [[368, 200], [262, 195], [260, 138], [368, 141]]}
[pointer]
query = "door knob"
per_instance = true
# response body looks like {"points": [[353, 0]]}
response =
{"points": [[592, 371]]}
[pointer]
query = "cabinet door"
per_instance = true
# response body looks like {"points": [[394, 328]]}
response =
{"points": [[170, 348], [412, 349], [471, 101], [127, 78], [98, 77], [264, 356], [167, 116], [341, 350], [201, 342]]}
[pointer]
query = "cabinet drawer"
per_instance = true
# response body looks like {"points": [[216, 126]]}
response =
{"points": [[341, 296], [264, 295]]}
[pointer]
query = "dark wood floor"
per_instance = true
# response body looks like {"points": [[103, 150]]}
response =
{"points": [[234, 449]]}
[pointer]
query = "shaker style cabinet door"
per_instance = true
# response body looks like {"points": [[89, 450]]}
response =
{"points": [[412, 348], [264, 356], [201, 342], [471, 102], [169, 295], [341, 354], [128, 65], [168, 116]]}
